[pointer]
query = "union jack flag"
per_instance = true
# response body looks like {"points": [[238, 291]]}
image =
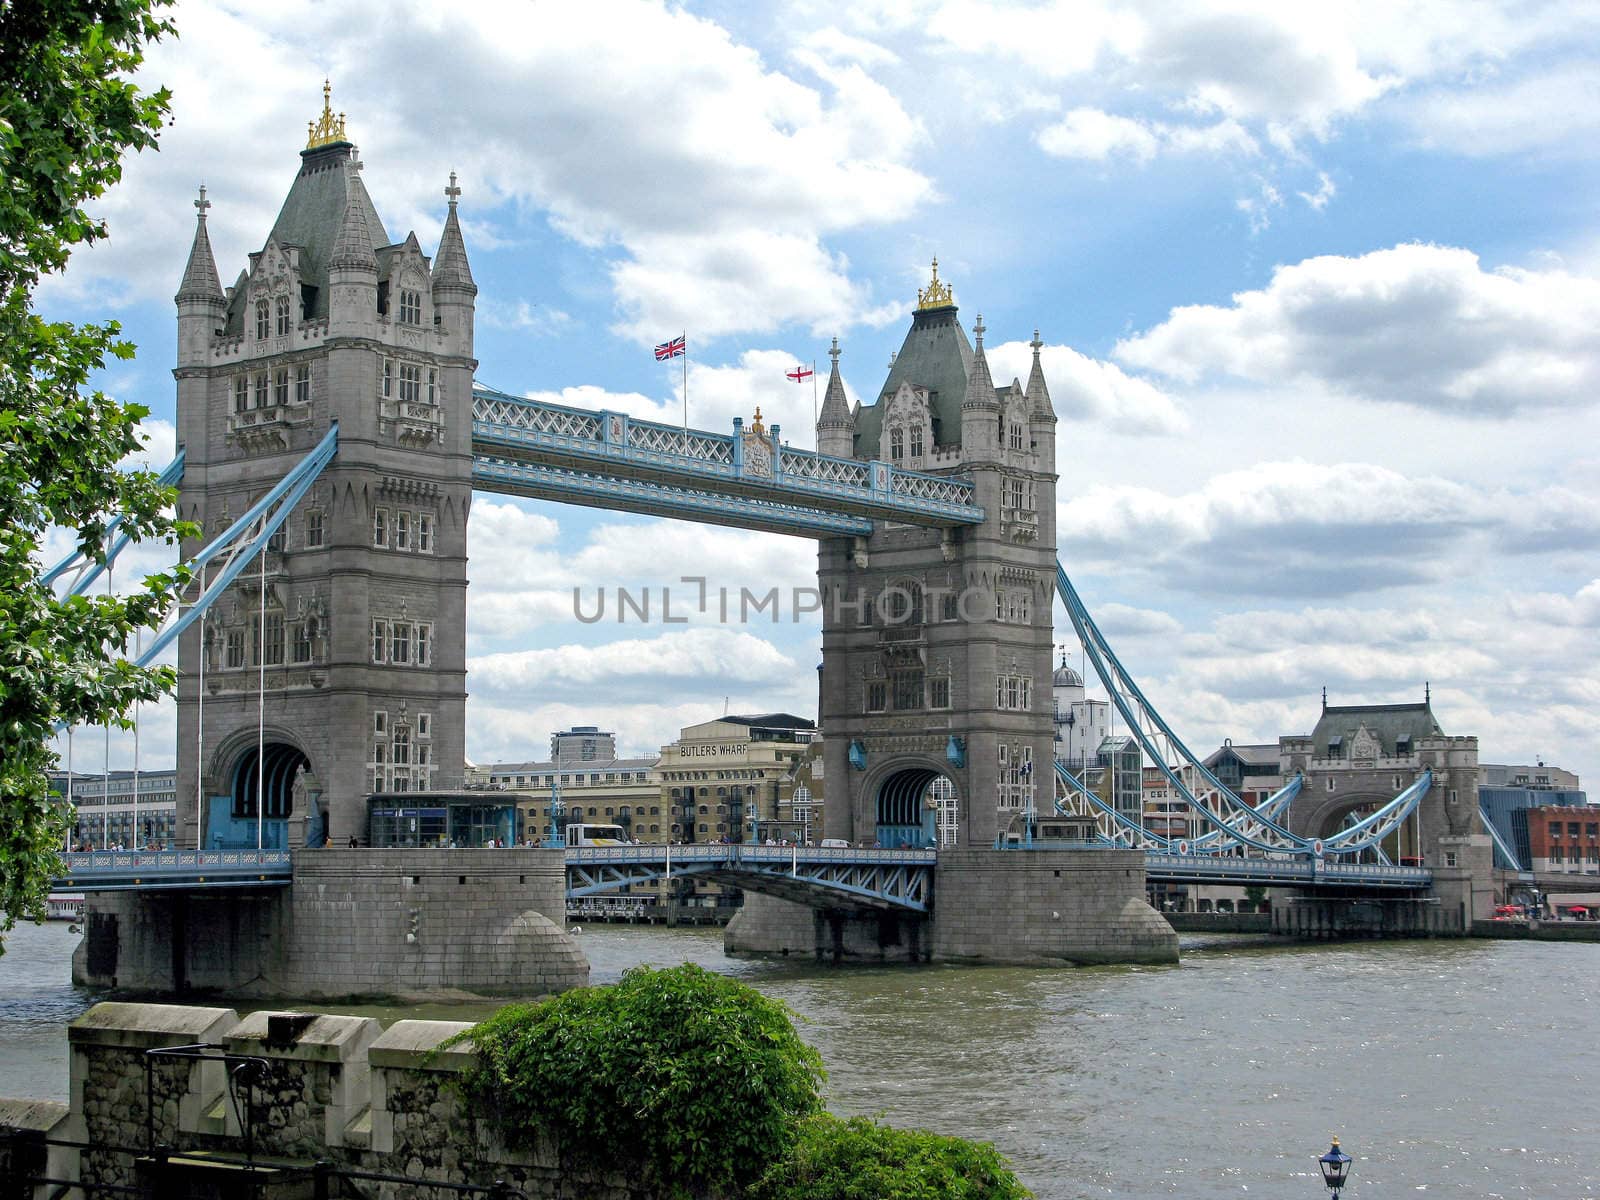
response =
{"points": [[673, 349]]}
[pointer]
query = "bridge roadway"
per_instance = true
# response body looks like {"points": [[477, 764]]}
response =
{"points": [[849, 877], [748, 479]]}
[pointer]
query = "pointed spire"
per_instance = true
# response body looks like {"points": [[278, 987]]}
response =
{"points": [[835, 408], [980, 384], [200, 281], [450, 267], [352, 249], [1039, 406]]}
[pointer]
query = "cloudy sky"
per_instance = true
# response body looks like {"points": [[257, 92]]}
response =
{"points": [[1319, 287]]}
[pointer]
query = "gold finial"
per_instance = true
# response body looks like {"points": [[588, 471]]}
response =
{"points": [[756, 427], [936, 294], [329, 129]]}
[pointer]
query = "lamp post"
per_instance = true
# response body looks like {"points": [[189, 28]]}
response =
{"points": [[1335, 1166], [1072, 719], [557, 811]]}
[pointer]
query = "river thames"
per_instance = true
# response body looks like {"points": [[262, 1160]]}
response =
{"points": [[1452, 1068]]}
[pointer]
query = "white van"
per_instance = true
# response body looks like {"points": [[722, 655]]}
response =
{"points": [[835, 844]]}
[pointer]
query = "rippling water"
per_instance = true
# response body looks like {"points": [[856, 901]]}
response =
{"points": [[1456, 1068]]}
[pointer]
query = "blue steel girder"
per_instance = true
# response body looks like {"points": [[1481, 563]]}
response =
{"points": [[515, 478], [128, 870], [615, 447], [1282, 871], [868, 880]]}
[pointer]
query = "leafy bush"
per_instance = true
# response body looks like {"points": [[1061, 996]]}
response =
{"points": [[691, 1082], [859, 1159]]}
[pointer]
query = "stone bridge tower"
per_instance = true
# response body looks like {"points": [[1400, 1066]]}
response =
{"points": [[1360, 756], [336, 667], [936, 644]]}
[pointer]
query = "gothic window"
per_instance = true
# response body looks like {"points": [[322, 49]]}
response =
{"points": [[410, 307], [402, 530], [939, 692], [380, 527], [1016, 436], [410, 383], [280, 386], [897, 445], [380, 640], [402, 748], [277, 541], [433, 385], [263, 320], [877, 695], [907, 690], [282, 316], [424, 533], [271, 653], [314, 528], [400, 643], [388, 378], [424, 724], [380, 722], [235, 649], [261, 390], [302, 642], [424, 645], [241, 393], [916, 441], [302, 384]]}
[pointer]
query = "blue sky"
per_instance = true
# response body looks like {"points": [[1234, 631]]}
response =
{"points": [[1320, 293]]}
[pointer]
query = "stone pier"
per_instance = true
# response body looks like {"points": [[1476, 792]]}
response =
{"points": [[1012, 907], [411, 924]]}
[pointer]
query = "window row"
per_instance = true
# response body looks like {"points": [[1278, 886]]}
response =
{"points": [[402, 643], [1013, 692], [272, 318], [422, 723], [904, 691], [410, 383], [284, 642], [1019, 494], [269, 389], [1016, 776], [402, 530], [900, 437]]}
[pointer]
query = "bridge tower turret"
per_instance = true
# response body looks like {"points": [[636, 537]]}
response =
{"points": [[936, 644], [336, 667]]}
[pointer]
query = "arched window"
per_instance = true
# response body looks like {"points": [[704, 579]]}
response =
{"points": [[897, 444], [916, 441], [283, 316], [263, 319], [410, 307]]}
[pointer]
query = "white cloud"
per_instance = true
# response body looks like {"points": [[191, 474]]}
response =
{"points": [[1417, 324], [1087, 390], [1553, 113], [1326, 191], [738, 170], [1289, 528], [698, 661]]}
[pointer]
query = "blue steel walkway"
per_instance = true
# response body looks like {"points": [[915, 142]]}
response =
{"points": [[876, 880], [1163, 867], [128, 870]]}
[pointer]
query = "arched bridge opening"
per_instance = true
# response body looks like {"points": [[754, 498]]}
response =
{"points": [[260, 798], [911, 807]]}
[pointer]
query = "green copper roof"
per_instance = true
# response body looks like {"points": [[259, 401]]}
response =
{"points": [[935, 355], [311, 217], [1386, 722]]}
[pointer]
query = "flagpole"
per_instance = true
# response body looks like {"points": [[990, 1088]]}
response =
{"points": [[813, 394], [686, 381]]}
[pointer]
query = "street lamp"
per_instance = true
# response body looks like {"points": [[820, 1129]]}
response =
{"points": [[1335, 1166], [557, 811]]}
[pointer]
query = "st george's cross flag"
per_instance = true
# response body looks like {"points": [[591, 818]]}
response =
{"points": [[677, 347], [799, 374]]}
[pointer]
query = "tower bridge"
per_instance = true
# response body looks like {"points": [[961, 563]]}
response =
{"points": [[331, 436]]}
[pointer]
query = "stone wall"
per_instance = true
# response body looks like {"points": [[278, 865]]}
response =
{"points": [[1023, 907], [335, 1088], [414, 924]]}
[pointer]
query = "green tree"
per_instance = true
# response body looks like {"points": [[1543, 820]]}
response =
{"points": [[684, 1080], [68, 114], [858, 1159]]}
